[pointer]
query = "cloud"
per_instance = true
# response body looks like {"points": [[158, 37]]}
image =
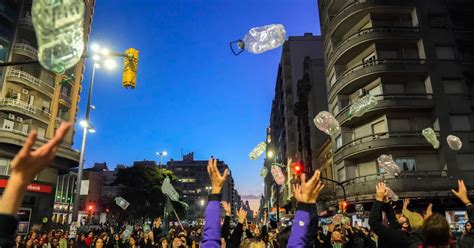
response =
{"points": [[250, 197]]}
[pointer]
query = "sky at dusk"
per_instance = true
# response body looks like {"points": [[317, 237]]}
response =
{"points": [[193, 94]]}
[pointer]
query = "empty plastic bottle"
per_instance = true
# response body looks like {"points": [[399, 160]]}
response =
{"points": [[337, 219], [386, 162], [361, 106], [454, 142], [326, 122], [278, 175], [264, 172], [122, 203], [168, 189], [59, 27], [261, 39], [257, 151], [430, 136], [391, 195]]}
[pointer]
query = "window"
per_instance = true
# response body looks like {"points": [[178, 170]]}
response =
{"points": [[31, 100], [369, 60], [406, 164], [338, 142], [4, 164], [41, 132], [8, 124], [341, 174], [376, 91], [460, 123], [379, 127], [399, 125], [453, 86], [445, 52]]}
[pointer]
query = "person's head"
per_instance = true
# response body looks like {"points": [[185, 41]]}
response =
{"points": [[177, 242], [54, 242], [436, 230], [252, 243], [404, 222], [99, 243], [336, 236], [117, 236], [18, 238], [83, 236], [32, 235], [468, 227], [183, 239], [72, 242], [164, 243], [90, 234]]}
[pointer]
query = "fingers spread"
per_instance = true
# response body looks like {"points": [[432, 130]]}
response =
{"points": [[30, 141]]}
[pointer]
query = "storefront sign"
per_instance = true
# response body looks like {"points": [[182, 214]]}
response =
{"points": [[40, 188]]}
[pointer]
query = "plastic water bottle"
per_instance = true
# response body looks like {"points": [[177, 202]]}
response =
{"points": [[391, 195], [264, 172], [454, 142], [257, 151], [386, 162], [261, 39], [326, 122], [361, 106], [59, 27], [122, 203], [168, 189], [430, 136], [278, 175]]}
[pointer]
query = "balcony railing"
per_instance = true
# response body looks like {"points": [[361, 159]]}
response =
{"points": [[344, 112], [372, 63], [18, 104], [378, 136], [27, 22], [29, 50], [30, 78], [65, 97]]}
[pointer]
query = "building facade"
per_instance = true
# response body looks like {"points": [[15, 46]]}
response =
{"points": [[32, 98], [416, 58], [291, 115], [194, 184]]}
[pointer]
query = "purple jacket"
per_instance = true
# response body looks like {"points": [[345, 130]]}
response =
{"points": [[305, 216], [212, 228]]}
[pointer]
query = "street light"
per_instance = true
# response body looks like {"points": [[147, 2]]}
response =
{"points": [[270, 154], [162, 154], [87, 127]]}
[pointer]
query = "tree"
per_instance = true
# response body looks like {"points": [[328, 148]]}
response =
{"points": [[141, 186]]}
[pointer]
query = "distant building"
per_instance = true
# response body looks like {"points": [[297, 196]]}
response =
{"points": [[194, 184]]}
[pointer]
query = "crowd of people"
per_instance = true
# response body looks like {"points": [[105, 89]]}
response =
{"points": [[386, 228]]}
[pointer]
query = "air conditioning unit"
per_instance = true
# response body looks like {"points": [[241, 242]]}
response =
{"points": [[361, 92], [11, 116], [24, 91], [19, 119]]}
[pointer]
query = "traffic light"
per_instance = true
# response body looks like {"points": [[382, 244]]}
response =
{"points": [[297, 167], [90, 210], [342, 206], [129, 76]]}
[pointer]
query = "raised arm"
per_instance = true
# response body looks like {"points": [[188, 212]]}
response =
{"points": [[226, 226], [236, 236], [416, 220], [462, 195], [212, 228], [306, 195], [24, 167]]}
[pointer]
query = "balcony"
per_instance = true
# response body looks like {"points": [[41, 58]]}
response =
{"points": [[25, 50], [15, 105], [359, 41], [27, 23], [359, 75], [407, 184], [376, 144], [17, 137], [31, 81], [389, 102], [65, 99], [354, 11]]}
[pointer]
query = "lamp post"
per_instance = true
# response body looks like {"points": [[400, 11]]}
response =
{"points": [[162, 154], [270, 155], [87, 126]]}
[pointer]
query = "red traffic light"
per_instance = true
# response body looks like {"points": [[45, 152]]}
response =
{"points": [[297, 167], [91, 208]]}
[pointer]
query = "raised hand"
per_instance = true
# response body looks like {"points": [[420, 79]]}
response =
{"points": [[429, 211], [381, 192], [241, 216], [297, 192], [227, 208], [406, 202], [310, 189], [28, 163], [462, 193], [217, 180]]}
